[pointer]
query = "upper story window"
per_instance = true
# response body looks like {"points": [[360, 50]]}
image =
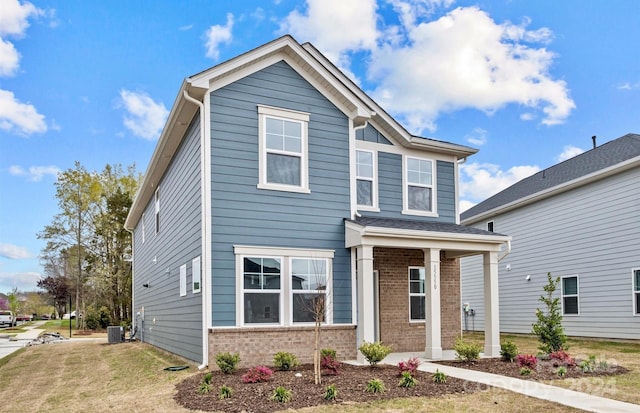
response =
{"points": [[283, 149], [366, 179], [490, 226], [570, 301], [636, 291], [157, 210], [417, 297], [419, 187]]}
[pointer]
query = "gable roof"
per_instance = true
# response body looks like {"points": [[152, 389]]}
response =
{"points": [[612, 157], [313, 66]]}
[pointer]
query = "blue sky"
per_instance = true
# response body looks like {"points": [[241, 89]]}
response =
{"points": [[528, 83]]}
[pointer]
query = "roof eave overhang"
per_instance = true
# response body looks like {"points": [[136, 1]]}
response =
{"points": [[356, 235], [556, 190], [181, 115]]}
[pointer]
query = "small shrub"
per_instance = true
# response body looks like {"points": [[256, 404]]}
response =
{"points": [[508, 351], [207, 378], [331, 392], [328, 352], [548, 326], [257, 374], [562, 371], [407, 380], [225, 392], [204, 388], [375, 386], [466, 351], [227, 362], [525, 371], [586, 366], [285, 361], [527, 360], [563, 358], [330, 365], [439, 377], [410, 366], [374, 352], [603, 365], [281, 395]]}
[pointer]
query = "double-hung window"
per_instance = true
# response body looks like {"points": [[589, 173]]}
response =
{"points": [[309, 289], [283, 149], [283, 286], [570, 296], [365, 178], [419, 188], [417, 297], [261, 298], [636, 291], [157, 210]]}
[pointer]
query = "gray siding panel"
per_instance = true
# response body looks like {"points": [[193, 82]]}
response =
{"points": [[172, 322], [592, 232], [245, 215]]}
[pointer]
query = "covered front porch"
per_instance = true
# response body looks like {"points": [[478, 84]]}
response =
{"points": [[384, 251]]}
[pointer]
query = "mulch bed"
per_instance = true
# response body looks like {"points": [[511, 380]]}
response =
{"points": [[545, 369], [350, 383]]}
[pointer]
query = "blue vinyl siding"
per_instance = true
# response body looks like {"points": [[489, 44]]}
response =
{"points": [[242, 214], [172, 322]]}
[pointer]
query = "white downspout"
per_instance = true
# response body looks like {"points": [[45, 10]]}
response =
{"points": [[205, 270], [506, 252]]}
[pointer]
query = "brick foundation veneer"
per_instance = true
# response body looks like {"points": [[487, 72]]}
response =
{"points": [[395, 328], [257, 345]]}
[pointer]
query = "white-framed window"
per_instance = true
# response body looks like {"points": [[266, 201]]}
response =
{"points": [[417, 296], [419, 188], [196, 276], [366, 182], [283, 286], [143, 227], [183, 280], [570, 295], [636, 291], [157, 209], [283, 146]]}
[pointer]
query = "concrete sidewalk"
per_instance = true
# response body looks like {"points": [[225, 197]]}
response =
{"points": [[530, 388], [10, 344]]}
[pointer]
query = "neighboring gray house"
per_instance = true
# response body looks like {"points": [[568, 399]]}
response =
{"points": [[277, 182], [579, 220]]}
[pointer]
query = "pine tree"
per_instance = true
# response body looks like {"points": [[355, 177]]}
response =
{"points": [[549, 328]]}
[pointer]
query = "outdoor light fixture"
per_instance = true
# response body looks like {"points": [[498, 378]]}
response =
{"points": [[146, 285]]}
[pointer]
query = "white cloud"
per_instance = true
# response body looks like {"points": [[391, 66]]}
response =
{"points": [[464, 205], [14, 17], [18, 117], [144, 118], [35, 173], [9, 58], [186, 27], [479, 181], [569, 152], [23, 281], [628, 86], [477, 137], [13, 252], [466, 60], [335, 27], [217, 35]]}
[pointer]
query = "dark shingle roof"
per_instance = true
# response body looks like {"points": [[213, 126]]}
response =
{"points": [[419, 225], [601, 157]]}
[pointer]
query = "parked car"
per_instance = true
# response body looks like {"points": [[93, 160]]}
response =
{"points": [[7, 318], [71, 316], [45, 317], [24, 317]]}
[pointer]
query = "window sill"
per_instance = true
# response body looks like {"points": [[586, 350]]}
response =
{"points": [[420, 213], [284, 188], [367, 208]]}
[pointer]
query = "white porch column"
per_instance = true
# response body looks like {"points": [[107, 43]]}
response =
{"points": [[491, 305], [366, 312], [433, 347]]}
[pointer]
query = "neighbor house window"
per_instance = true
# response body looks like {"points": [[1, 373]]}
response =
{"points": [[309, 289], [195, 275], [283, 286], [570, 302], [419, 190], [490, 226], [261, 290], [183, 280], [157, 210], [283, 149], [365, 178], [636, 291], [417, 305], [143, 228]]}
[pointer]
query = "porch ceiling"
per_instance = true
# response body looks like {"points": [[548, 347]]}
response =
{"points": [[455, 240]]}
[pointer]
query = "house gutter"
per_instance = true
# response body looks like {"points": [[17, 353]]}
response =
{"points": [[204, 274], [506, 252]]}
